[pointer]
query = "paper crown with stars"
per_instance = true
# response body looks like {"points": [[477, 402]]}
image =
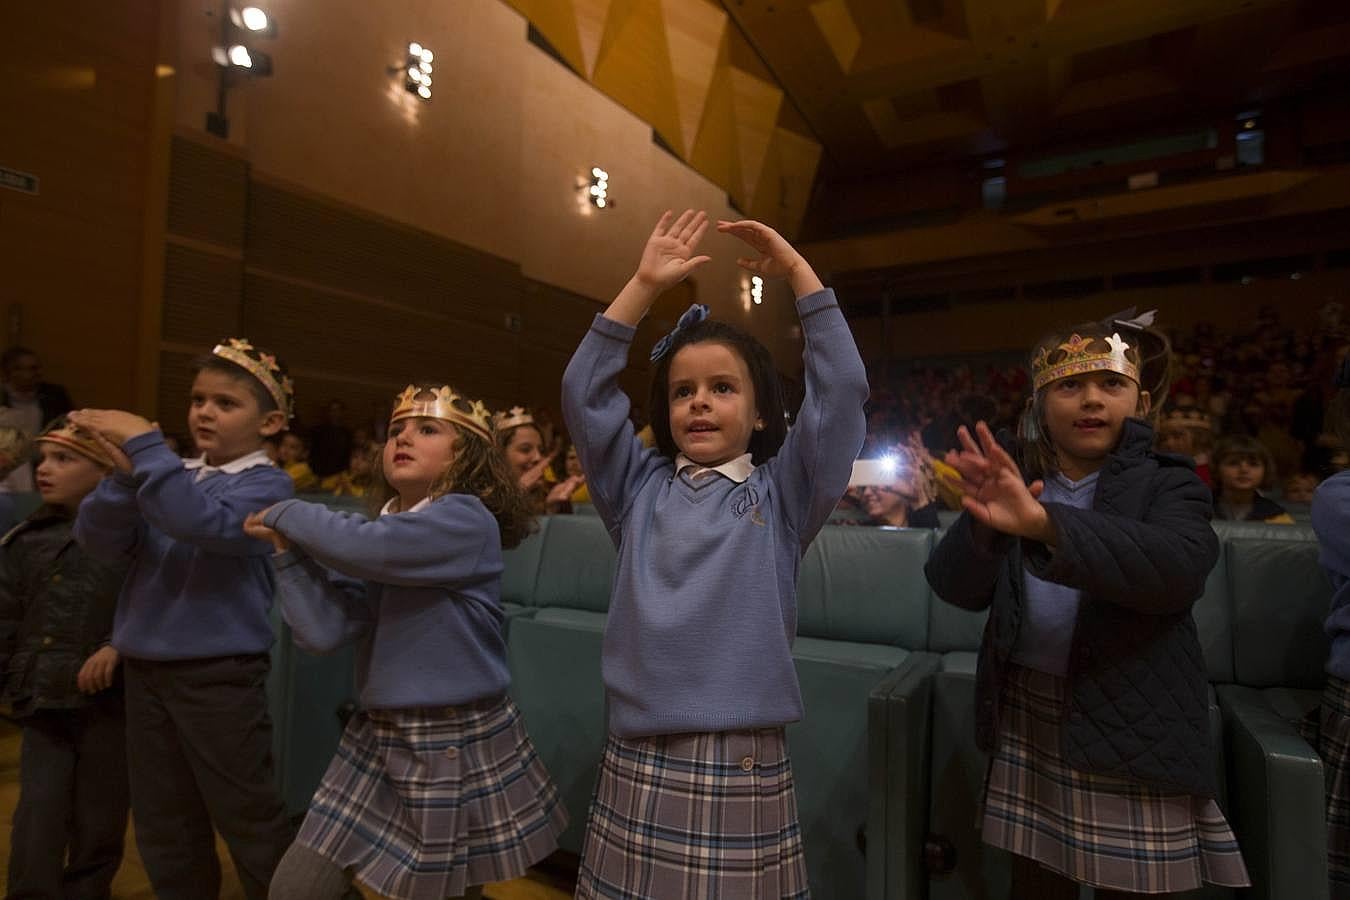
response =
{"points": [[444, 403], [262, 366], [512, 418], [62, 432], [1079, 355]]}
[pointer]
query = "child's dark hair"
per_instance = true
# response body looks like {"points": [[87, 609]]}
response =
{"points": [[212, 363], [1241, 446], [1154, 359], [478, 469], [765, 442]]}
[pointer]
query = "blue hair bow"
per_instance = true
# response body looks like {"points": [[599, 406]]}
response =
{"points": [[692, 316]]}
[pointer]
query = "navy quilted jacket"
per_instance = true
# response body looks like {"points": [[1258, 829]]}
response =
{"points": [[1137, 691]]}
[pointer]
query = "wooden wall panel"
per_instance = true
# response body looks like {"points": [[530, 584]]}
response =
{"points": [[326, 243], [76, 89], [201, 296], [208, 193]]}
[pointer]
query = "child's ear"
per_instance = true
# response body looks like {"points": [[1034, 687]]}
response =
{"points": [[273, 422], [1145, 403]]}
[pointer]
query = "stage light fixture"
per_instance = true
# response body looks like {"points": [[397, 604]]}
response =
{"points": [[599, 187], [237, 56], [417, 70]]}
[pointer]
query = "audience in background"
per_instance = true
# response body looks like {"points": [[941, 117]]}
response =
{"points": [[27, 403], [293, 456], [1243, 467]]}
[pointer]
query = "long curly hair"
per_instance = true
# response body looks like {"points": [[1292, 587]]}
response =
{"points": [[480, 470]]}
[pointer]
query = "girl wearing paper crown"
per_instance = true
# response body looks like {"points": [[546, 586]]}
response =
{"points": [[521, 441], [59, 678], [710, 527], [436, 788], [1089, 551]]}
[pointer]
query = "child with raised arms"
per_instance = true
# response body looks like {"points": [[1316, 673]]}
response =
{"points": [[193, 624], [436, 788], [695, 794]]}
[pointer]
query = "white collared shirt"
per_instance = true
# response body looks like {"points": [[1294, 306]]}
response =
{"points": [[233, 467], [737, 469], [388, 508]]}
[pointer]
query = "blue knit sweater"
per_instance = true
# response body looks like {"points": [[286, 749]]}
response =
{"points": [[198, 587], [1331, 520], [420, 593], [704, 607]]}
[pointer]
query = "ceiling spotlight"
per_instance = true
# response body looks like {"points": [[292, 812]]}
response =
{"points": [[599, 187], [238, 56], [253, 20], [756, 289], [417, 70]]}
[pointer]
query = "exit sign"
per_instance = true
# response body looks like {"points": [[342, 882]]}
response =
{"points": [[18, 181]]}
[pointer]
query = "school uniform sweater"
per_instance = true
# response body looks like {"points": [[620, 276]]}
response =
{"points": [[419, 592], [197, 587], [704, 604], [1331, 521]]}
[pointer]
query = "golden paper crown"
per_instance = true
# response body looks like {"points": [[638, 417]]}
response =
{"points": [[63, 433], [512, 418], [1079, 355], [262, 366], [446, 404]]}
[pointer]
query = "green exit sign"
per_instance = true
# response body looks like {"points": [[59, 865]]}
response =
{"points": [[18, 181]]}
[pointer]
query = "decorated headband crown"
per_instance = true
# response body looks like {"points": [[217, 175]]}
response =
{"points": [[262, 366], [64, 433], [512, 418], [1079, 355], [445, 403]]}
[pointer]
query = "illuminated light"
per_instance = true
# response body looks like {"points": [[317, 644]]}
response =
{"points": [[238, 55], [254, 19]]}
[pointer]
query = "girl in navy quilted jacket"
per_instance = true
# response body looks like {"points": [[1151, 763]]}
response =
{"points": [[1331, 520], [1089, 550]]}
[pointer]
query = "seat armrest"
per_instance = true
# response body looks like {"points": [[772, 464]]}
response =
{"points": [[1276, 798]]}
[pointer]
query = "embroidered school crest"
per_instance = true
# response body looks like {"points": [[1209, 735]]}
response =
{"points": [[746, 500]]}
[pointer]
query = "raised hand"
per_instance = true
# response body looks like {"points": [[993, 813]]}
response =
{"points": [[121, 462], [115, 424], [777, 258], [995, 493], [669, 256], [254, 528], [97, 672]]}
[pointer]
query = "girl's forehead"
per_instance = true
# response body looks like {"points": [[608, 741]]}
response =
{"points": [[706, 358]]}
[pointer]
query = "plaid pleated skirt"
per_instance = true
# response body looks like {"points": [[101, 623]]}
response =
{"points": [[1095, 829], [1330, 734], [694, 817], [420, 804]]}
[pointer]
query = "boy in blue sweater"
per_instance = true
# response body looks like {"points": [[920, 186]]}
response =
{"points": [[192, 622]]}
